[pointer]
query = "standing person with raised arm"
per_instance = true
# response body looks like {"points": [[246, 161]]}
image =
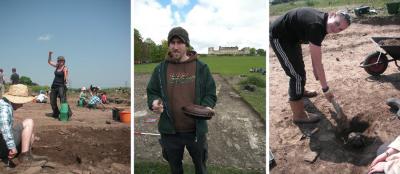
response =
{"points": [[59, 85]]}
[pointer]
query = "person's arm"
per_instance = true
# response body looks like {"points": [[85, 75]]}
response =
{"points": [[394, 148], [51, 62], [210, 98], [316, 59], [154, 101], [318, 68], [6, 131], [65, 75]]}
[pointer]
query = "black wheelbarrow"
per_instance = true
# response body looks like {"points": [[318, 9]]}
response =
{"points": [[376, 63]]}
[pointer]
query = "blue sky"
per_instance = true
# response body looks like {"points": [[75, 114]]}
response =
{"points": [[93, 36], [210, 23]]}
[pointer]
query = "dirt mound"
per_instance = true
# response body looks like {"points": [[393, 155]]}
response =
{"points": [[390, 42]]}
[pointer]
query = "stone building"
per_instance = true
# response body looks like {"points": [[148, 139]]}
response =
{"points": [[229, 51]]}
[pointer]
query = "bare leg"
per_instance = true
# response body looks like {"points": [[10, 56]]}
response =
{"points": [[27, 135]]}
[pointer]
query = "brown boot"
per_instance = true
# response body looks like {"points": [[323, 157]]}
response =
{"points": [[310, 94], [299, 114], [25, 159]]}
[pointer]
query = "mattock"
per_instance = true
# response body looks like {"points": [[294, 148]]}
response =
{"points": [[394, 103]]}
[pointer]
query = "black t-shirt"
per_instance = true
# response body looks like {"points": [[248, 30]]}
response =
{"points": [[301, 25]]}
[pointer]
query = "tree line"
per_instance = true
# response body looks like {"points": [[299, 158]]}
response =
{"points": [[147, 51]]}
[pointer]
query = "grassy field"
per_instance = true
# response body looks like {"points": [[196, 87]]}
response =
{"points": [[224, 65], [163, 168], [327, 4], [256, 99]]}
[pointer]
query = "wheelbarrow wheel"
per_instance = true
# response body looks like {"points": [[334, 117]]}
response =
{"points": [[378, 68]]}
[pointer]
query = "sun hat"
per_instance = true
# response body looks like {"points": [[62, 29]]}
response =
{"points": [[83, 89], [18, 94]]}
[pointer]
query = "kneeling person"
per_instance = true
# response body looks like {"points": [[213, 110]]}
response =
{"points": [[17, 137], [94, 102]]}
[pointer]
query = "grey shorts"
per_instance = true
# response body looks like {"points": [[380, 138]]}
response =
{"points": [[17, 131]]}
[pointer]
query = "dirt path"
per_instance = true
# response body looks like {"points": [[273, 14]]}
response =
{"points": [[361, 96], [85, 144], [236, 135]]}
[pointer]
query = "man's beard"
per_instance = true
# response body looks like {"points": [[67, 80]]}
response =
{"points": [[176, 55]]}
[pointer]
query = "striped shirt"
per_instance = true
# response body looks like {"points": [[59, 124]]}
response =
{"points": [[94, 100], [6, 122]]}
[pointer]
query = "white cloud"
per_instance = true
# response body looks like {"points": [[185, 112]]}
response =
{"points": [[209, 23], [152, 19], [45, 37], [180, 3], [177, 17]]}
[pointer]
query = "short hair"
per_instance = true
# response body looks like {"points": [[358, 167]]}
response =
{"points": [[1, 70], [345, 16], [13, 69]]}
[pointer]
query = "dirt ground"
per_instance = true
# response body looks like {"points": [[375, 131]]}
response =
{"points": [[236, 135], [361, 96], [91, 142]]}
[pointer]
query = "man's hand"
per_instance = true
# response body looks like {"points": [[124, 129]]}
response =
{"points": [[377, 168], [329, 96], [12, 153], [158, 106]]}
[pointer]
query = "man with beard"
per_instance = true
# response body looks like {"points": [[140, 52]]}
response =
{"points": [[180, 80]]}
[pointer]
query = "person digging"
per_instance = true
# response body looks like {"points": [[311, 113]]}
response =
{"points": [[17, 137], [287, 33]]}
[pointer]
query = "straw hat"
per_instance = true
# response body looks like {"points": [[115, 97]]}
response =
{"points": [[18, 94]]}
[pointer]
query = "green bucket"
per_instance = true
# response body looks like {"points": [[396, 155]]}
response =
{"points": [[393, 7], [80, 103], [64, 112]]}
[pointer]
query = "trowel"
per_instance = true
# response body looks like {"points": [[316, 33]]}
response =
{"points": [[341, 121]]}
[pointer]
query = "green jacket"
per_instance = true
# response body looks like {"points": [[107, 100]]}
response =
{"points": [[204, 93]]}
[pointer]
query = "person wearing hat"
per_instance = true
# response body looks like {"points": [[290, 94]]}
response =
{"points": [[17, 137], [287, 33], [59, 85], [14, 76], [42, 97], [179, 80], [83, 97]]}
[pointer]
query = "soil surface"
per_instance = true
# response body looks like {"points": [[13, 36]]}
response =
{"points": [[91, 142], [236, 136], [361, 96]]}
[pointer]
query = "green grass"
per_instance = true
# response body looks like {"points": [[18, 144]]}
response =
{"points": [[256, 99], [284, 7], [224, 65], [145, 167]]}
